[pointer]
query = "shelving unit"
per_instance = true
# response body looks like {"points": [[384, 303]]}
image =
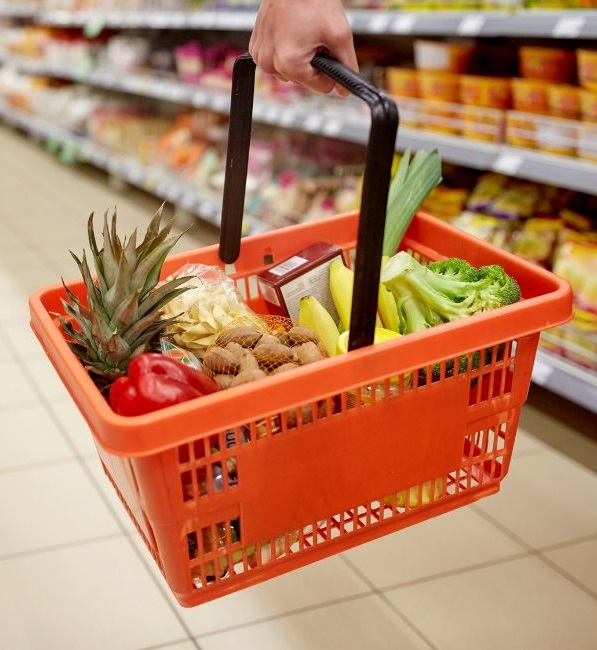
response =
{"points": [[553, 372], [535, 24], [352, 126], [152, 179]]}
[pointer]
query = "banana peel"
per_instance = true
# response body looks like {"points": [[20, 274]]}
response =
{"points": [[314, 315]]}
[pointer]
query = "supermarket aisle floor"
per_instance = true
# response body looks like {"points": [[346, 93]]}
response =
{"points": [[516, 570]]}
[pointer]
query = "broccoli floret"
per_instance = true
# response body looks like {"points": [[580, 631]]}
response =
{"points": [[445, 291]]}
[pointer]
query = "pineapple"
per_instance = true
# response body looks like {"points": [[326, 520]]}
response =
{"points": [[123, 312]]}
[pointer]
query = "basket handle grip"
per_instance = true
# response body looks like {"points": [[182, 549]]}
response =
{"points": [[376, 182]]}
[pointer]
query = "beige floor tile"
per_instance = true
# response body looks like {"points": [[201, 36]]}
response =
{"points": [[28, 436], [450, 542], [42, 374], [21, 338], [50, 505], [94, 596], [519, 604], [311, 586], [545, 499], [15, 386], [525, 443], [354, 625], [74, 426], [578, 560], [103, 482]]}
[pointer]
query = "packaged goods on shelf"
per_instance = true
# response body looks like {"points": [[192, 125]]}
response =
{"points": [[547, 63]]}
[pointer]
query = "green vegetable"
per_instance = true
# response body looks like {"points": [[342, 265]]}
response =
{"points": [[445, 291], [412, 182]]}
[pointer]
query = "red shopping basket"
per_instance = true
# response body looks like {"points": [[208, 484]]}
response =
{"points": [[242, 485]]}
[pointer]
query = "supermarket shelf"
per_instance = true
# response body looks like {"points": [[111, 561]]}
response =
{"points": [[554, 24], [320, 117], [17, 10], [157, 181], [567, 379]]}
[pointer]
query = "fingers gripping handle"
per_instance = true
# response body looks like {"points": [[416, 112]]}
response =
{"points": [[376, 182]]}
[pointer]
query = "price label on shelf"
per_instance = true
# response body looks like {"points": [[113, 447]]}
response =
{"points": [[199, 99], [271, 114], [508, 163], [403, 24], [313, 123], [569, 27], [471, 25], [287, 118], [378, 24], [332, 127], [220, 103]]}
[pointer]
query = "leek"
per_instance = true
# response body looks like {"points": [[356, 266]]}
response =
{"points": [[412, 183]]}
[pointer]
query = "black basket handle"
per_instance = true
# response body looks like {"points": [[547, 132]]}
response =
{"points": [[376, 182]]}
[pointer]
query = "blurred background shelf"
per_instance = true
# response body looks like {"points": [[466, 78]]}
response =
{"points": [[566, 379], [522, 23]]}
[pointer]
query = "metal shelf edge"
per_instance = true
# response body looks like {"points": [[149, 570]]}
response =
{"points": [[575, 383], [506, 22]]}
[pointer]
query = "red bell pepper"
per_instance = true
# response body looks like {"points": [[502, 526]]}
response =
{"points": [[154, 381]]}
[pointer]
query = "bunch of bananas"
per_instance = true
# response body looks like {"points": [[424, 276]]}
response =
{"points": [[335, 336]]}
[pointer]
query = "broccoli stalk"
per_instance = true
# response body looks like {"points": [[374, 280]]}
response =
{"points": [[446, 290]]}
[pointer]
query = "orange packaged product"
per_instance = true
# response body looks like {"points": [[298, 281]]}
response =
{"points": [[564, 101], [489, 92], [482, 124], [530, 95], [439, 86], [588, 105], [520, 129], [547, 63], [587, 69], [402, 82]]}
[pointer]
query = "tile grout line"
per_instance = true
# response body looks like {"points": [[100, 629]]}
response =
{"points": [[388, 603], [11, 469], [106, 503], [290, 612], [539, 552], [163, 646], [58, 547]]}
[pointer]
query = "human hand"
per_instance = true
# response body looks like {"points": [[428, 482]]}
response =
{"points": [[288, 34]]}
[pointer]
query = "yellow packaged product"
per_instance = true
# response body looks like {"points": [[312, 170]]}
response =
{"points": [[576, 261], [537, 239], [488, 187], [486, 227]]}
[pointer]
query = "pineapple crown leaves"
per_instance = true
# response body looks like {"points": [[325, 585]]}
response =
{"points": [[123, 312], [123, 267]]}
